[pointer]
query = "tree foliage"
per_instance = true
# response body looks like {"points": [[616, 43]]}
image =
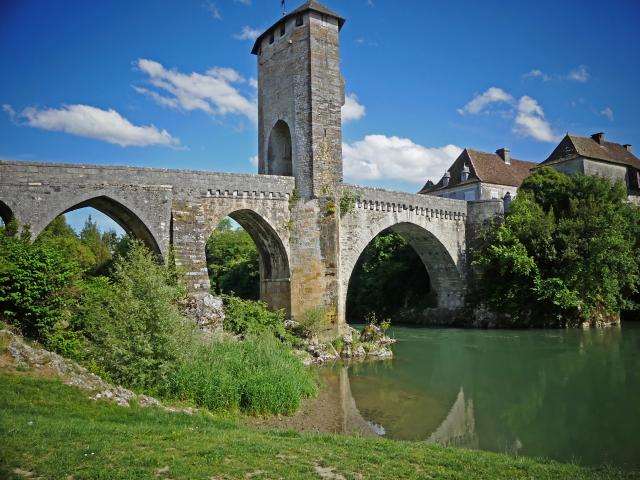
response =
{"points": [[131, 321], [39, 287], [567, 252], [232, 259], [388, 278]]}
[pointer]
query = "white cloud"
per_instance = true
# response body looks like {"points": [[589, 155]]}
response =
{"points": [[530, 121], [213, 92], [253, 160], [352, 109], [253, 82], [579, 74], [86, 121], [8, 109], [535, 73], [527, 114], [212, 9], [481, 101], [247, 33], [607, 112], [381, 157]]}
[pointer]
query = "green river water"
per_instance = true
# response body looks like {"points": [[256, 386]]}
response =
{"points": [[569, 395]]}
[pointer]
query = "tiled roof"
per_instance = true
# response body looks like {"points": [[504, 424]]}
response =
{"points": [[310, 5], [483, 167], [573, 146]]}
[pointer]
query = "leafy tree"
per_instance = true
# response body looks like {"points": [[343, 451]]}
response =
{"points": [[131, 320], [567, 252], [39, 288], [232, 259], [388, 279], [60, 236]]}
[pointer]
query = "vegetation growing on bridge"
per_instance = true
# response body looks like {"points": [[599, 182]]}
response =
{"points": [[568, 252]]}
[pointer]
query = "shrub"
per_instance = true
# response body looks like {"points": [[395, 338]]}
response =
{"points": [[256, 376], [133, 326], [39, 287], [247, 317], [313, 320]]}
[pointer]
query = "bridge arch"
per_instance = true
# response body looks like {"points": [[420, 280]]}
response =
{"points": [[279, 150], [273, 256], [6, 214], [445, 275], [120, 213]]}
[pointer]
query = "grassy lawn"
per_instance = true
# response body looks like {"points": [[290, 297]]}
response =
{"points": [[50, 430]]}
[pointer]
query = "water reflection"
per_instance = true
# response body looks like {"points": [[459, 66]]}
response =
{"points": [[569, 395]]}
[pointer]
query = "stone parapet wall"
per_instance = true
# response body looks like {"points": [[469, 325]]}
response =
{"points": [[378, 199]]}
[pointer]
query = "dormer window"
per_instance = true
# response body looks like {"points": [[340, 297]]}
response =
{"points": [[299, 21], [271, 39], [283, 29], [464, 175]]}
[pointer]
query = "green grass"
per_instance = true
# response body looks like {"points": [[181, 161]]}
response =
{"points": [[257, 376], [53, 431]]}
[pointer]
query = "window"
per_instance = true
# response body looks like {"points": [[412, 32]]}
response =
{"points": [[494, 194], [270, 38], [299, 21], [470, 195], [283, 29]]}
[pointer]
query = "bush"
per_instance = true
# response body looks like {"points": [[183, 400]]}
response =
{"points": [[256, 376], [133, 326], [39, 288], [252, 317]]}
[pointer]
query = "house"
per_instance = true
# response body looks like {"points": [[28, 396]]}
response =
{"points": [[595, 156], [478, 175]]}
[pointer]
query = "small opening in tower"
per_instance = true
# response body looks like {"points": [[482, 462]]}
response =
{"points": [[283, 29], [299, 21], [271, 38]]}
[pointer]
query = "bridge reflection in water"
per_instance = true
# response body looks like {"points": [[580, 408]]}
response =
{"points": [[335, 411]]}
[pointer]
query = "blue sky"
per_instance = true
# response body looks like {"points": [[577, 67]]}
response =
{"points": [[168, 83]]}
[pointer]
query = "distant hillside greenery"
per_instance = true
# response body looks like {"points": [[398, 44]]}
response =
{"points": [[109, 303], [568, 252]]}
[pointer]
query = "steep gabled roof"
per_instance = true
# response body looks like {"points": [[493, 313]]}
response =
{"points": [[574, 146], [483, 167], [312, 5]]}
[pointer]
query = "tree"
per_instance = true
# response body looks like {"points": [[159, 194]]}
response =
{"points": [[232, 258], [566, 253], [388, 279]]}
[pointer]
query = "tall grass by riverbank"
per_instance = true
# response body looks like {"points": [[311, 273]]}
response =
{"points": [[257, 376], [53, 431]]}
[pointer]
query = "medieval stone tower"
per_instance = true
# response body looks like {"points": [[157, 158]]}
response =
{"points": [[300, 96]]}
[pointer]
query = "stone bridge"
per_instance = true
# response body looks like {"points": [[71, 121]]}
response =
{"points": [[307, 249]]}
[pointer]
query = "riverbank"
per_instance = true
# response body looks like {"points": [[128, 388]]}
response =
{"points": [[51, 430]]}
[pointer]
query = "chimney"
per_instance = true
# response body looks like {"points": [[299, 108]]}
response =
{"points": [[627, 147], [505, 154], [445, 179], [598, 138]]}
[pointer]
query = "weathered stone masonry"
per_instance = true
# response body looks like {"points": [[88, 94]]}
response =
{"points": [[291, 210]]}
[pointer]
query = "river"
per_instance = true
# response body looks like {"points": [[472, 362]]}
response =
{"points": [[569, 395]]}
